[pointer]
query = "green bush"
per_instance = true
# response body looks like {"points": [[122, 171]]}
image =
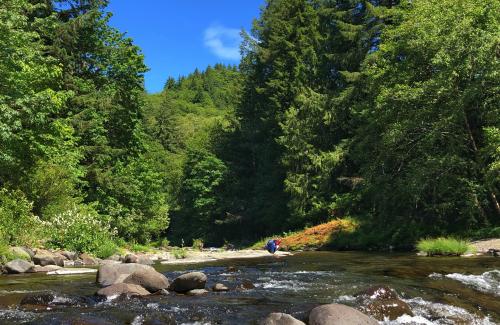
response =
{"points": [[81, 229], [179, 252], [18, 226], [198, 244], [140, 248], [444, 246]]}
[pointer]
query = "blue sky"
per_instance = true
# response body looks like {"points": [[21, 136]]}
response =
{"points": [[177, 36]]}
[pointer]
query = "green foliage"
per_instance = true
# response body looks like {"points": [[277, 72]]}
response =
{"points": [[179, 252], [81, 229], [18, 226], [198, 244], [444, 246]]}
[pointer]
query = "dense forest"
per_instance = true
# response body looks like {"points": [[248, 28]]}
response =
{"points": [[382, 112]]}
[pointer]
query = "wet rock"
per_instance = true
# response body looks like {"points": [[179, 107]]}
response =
{"points": [[45, 269], [218, 287], [20, 253], [189, 281], [131, 258], [196, 292], [494, 252], [245, 285], [18, 266], [388, 308], [232, 269], [151, 280], [378, 292], [109, 274], [87, 259], [122, 289], [280, 319], [337, 314], [47, 299]]}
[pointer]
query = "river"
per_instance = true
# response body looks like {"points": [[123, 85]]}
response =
{"points": [[438, 290]]}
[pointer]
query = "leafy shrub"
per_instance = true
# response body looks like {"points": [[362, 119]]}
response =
{"points": [[18, 226], [444, 246], [179, 252], [140, 248], [198, 244], [162, 243], [81, 229]]}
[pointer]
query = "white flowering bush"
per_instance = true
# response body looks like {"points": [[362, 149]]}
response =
{"points": [[81, 229]]}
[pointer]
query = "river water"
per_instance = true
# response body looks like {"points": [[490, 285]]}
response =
{"points": [[438, 290]]}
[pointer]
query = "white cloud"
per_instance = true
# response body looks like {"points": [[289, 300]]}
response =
{"points": [[223, 42]]}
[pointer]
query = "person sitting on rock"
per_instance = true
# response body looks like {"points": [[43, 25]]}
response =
{"points": [[273, 245]]}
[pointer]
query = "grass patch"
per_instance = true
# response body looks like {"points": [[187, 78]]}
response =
{"points": [[313, 237], [179, 252], [444, 246], [139, 248]]}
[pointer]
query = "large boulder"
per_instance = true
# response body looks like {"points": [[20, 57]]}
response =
{"points": [[44, 257], [280, 319], [118, 289], [149, 279], [189, 281], [337, 314], [109, 274], [18, 266]]}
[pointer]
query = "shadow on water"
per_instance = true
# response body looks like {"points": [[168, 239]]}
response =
{"points": [[437, 289]]}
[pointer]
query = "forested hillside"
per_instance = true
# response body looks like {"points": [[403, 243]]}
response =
{"points": [[382, 112]]}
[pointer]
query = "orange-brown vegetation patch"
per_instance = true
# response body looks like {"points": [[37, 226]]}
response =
{"points": [[318, 236]]}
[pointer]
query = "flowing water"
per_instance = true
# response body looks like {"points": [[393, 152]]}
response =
{"points": [[438, 290]]}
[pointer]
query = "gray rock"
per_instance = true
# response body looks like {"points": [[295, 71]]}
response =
{"points": [[18, 266], [69, 263], [196, 292], [189, 281], [109, 274], [148, 279], [337, 314], [145, 260], [118, 289], [280, 319], [115, 257], [218, 287], [30, 252], [130, 258], [44, 258], [88, 260], [69, 255]]}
